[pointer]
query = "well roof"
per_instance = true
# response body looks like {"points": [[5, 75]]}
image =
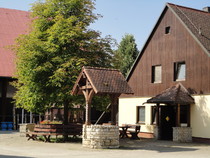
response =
{"points": [[103, 81], [177, 94]]}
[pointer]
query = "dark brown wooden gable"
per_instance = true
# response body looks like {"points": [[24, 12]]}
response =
{"points": [[165, 49]]}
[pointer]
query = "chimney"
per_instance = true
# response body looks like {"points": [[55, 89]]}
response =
{"points": [[206, 9]]}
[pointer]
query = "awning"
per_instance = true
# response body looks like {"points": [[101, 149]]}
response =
{"points": [[177, 94]]}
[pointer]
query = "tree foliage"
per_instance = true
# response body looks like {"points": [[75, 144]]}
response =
{"points": [[126, 54], [50, 56]]}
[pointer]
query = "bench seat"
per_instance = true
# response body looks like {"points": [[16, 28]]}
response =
{"points": [[54, 130]]}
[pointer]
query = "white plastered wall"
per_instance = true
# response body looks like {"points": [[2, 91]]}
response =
{"points": [[128, 112], [200, 116]]}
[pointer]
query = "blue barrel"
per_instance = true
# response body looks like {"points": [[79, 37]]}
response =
{"points": [[3, 126], [10, 126]]}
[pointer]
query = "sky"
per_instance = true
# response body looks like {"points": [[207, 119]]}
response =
{"points": [[120, 17]]}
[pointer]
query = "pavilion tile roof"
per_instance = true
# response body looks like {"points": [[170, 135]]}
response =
{"points": [[103, 81], [13, 23], [177, 94]]}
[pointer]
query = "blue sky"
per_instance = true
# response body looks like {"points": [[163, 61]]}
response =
{"points": [[136, 17]]}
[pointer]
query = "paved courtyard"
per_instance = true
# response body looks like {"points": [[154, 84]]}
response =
{"points": [[14, 146]]}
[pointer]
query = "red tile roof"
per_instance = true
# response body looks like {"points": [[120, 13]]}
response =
{"points": [[197, 22], [103, 81], [12, 24], [177, 94]]}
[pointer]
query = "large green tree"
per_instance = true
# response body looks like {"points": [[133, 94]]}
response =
{"points": [[125, 54], [51, 55]]}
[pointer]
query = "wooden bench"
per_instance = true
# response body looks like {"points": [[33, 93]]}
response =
{"points": [[54, 129], [134, 130]]}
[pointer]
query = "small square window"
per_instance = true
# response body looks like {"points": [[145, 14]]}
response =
{"points": [[167, 29], [140, 114], [179, 71], [156, 74]]}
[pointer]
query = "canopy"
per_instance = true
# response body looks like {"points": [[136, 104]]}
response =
{"points": [[177, 94]]}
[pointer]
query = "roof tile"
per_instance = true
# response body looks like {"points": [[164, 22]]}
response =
{"points": [[13, 23], [105, 81]]}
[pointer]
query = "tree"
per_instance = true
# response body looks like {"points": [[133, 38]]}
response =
{"points": [[126, 54], [50, 56]]}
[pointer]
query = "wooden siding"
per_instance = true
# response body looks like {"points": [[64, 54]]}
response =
{"points": [[165, 49]]}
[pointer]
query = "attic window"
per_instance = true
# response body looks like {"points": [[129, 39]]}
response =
{"points": [[167, 30]]}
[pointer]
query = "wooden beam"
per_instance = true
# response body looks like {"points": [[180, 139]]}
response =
{"points": [[178, 116], [188, 115], [157, 115], [88, 93], [114, 107], [86, 87]]}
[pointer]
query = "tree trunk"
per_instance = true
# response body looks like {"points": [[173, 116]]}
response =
{"points": [[66, 110], [65, 119]]}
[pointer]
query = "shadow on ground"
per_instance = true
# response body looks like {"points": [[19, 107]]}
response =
{"points": [[156, 145], [7, 156]]}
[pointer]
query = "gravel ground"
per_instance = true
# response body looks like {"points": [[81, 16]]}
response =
{"points": [[14, 146]]}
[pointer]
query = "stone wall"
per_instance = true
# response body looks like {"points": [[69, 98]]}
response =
{"points": [[26, 127], [100, 136], [156, 133], [182, 134]]}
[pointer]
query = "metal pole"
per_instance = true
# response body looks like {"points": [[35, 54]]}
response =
{"points": [[22, 116], [31, 117], [26, 118], [14, 118]]}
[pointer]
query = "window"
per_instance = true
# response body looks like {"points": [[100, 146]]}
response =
{"points": [[153, 114], [167, 29], [141, 114], [179, 71], [156, 74]]}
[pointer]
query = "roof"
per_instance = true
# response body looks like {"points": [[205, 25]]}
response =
{"points": [[13, 23], [177, 94], [197, 22], [102, 80]]}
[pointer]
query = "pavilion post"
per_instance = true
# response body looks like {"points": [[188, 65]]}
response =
{"points": [[88, 93], [114, 105], [178, 115], [157, 115]]}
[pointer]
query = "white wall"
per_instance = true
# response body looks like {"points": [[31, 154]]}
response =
{"points": [[200, 116], [128, 112]]}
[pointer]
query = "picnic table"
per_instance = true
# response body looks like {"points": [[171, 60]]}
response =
{"points": [[54, 129], [131, 129], [123, 132]]}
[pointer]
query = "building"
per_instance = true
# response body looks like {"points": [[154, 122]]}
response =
{"points": [[174, 60], [13, 23]]}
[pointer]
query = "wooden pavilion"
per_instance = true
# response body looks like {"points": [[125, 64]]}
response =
{"points": [[101, 81], [169, 104]]}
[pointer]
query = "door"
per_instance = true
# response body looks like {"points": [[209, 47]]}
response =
{"points": [[167, 121]]}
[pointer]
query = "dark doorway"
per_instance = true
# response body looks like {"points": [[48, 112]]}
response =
{"points": [[167, 121]]}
